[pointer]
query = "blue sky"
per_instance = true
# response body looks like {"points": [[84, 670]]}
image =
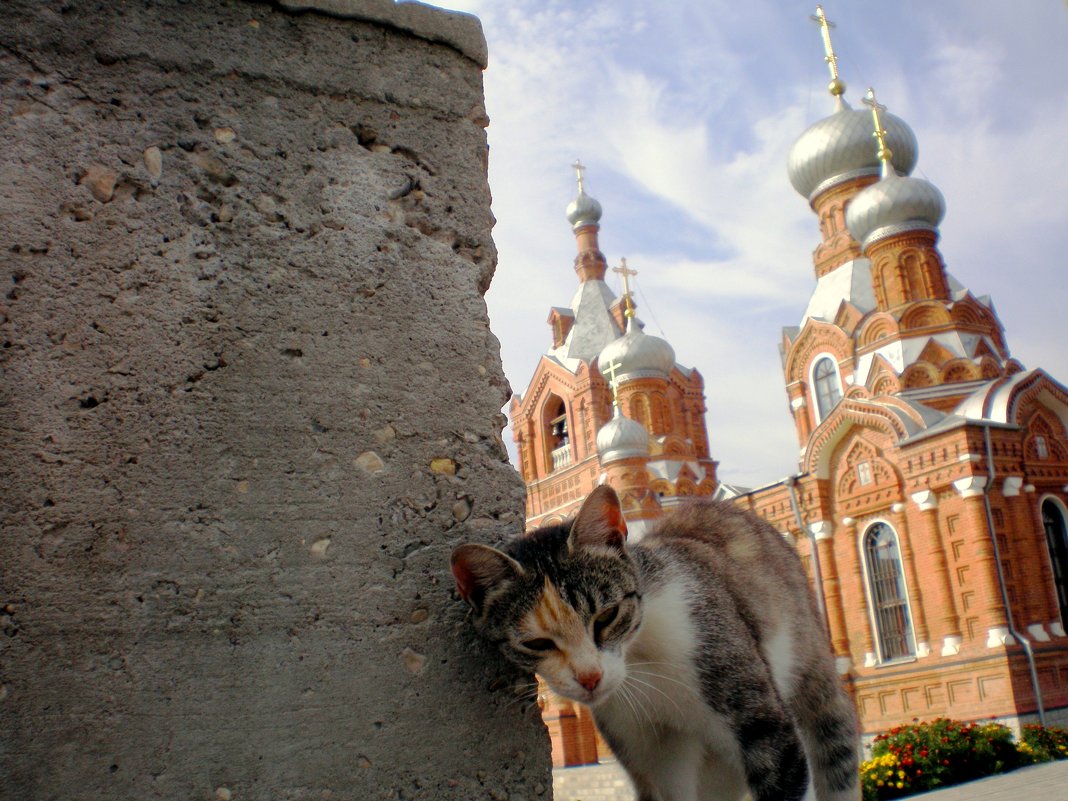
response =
{"points": [[684, 113]]}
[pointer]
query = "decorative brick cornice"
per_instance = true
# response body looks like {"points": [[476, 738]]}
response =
{"points": [[849, 413]]}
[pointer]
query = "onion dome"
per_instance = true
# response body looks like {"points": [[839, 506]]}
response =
{"points": [[637, 355], [622, 437], [839, 148], [583, 210], [896, 203]]}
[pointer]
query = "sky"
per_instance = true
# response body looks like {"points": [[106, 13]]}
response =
{"points": [[684, 113]]}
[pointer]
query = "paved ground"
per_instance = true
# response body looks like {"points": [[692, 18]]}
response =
{"points": [[1048, 782]]}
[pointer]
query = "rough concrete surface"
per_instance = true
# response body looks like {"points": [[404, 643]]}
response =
{"points": [[250, 402]]}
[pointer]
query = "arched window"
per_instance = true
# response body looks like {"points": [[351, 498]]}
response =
{"points": [[826, 385], [1057, 540], [557, 433], [890, 607]]}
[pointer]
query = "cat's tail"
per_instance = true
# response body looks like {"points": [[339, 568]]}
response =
{"points": [[828, 725]]}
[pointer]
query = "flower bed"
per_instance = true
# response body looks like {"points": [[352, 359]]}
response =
{"points": [[929, 755], [1038, 744]]}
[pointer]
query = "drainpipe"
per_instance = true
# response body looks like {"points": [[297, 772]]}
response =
{"points": [[817, 574], [1028, 651]]}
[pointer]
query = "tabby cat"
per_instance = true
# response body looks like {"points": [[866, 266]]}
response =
{"points": [[699, 650]]}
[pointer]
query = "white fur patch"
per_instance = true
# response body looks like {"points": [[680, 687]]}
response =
{"points": [[661, 684], [779, 651]]}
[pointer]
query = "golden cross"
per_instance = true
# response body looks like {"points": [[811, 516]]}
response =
{"points": [[836, 86], [579, 170], [612, 369], [884, 154], [626, 272]]}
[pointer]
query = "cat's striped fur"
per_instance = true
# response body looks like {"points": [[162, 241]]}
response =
{"points": [[699, 650]]}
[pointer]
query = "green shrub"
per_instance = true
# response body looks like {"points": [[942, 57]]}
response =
{"points": [[1038, 744], [925, 756]]}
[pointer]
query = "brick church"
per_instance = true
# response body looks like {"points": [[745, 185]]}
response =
{"points": [[929, 507]]}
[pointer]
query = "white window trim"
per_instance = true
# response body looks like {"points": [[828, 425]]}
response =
{"points": [[870, 594]]}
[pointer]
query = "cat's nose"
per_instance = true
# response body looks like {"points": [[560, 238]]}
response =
{"points": [[589, 680]]}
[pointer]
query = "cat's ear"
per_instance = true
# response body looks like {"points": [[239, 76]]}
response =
{"points": [[478, 568], [599, 521]]}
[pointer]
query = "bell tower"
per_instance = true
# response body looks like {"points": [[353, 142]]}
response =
{"points": [[568, 423]]}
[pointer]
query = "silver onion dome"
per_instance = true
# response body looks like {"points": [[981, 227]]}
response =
{"points": [[621, 438], [840, 147], [637, 355], [896, 203], [583, 210]]}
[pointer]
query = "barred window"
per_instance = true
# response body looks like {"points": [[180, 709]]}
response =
{"points": [[893, 626]]}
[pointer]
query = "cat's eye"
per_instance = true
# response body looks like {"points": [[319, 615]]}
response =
{"points": [[540, 644], [603, 620]]}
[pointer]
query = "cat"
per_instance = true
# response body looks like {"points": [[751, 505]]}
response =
{"points": [[699, 650]]}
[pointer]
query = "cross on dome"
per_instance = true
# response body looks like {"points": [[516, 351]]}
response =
{"points": [[612, 368], [626, 272], [579, 177], [884, 154], [836, 87]]}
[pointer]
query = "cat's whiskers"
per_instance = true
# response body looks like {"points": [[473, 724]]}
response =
{"points": [[629, 696], [652, 686], [684, 684]]}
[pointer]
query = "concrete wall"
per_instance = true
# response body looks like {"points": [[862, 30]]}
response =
{"points": [[250, 403]]}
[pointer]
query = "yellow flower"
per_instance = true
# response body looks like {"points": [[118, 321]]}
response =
{"points": [[900, 785]]}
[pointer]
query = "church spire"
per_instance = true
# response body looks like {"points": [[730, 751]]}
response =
{"points": [[584, 214], [895, 220], [896, 203]]}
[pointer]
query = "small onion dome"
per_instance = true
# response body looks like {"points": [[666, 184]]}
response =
{"points": [[583, 210], [896, 203], [622, 437], [637, 355], [841, 147]]}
